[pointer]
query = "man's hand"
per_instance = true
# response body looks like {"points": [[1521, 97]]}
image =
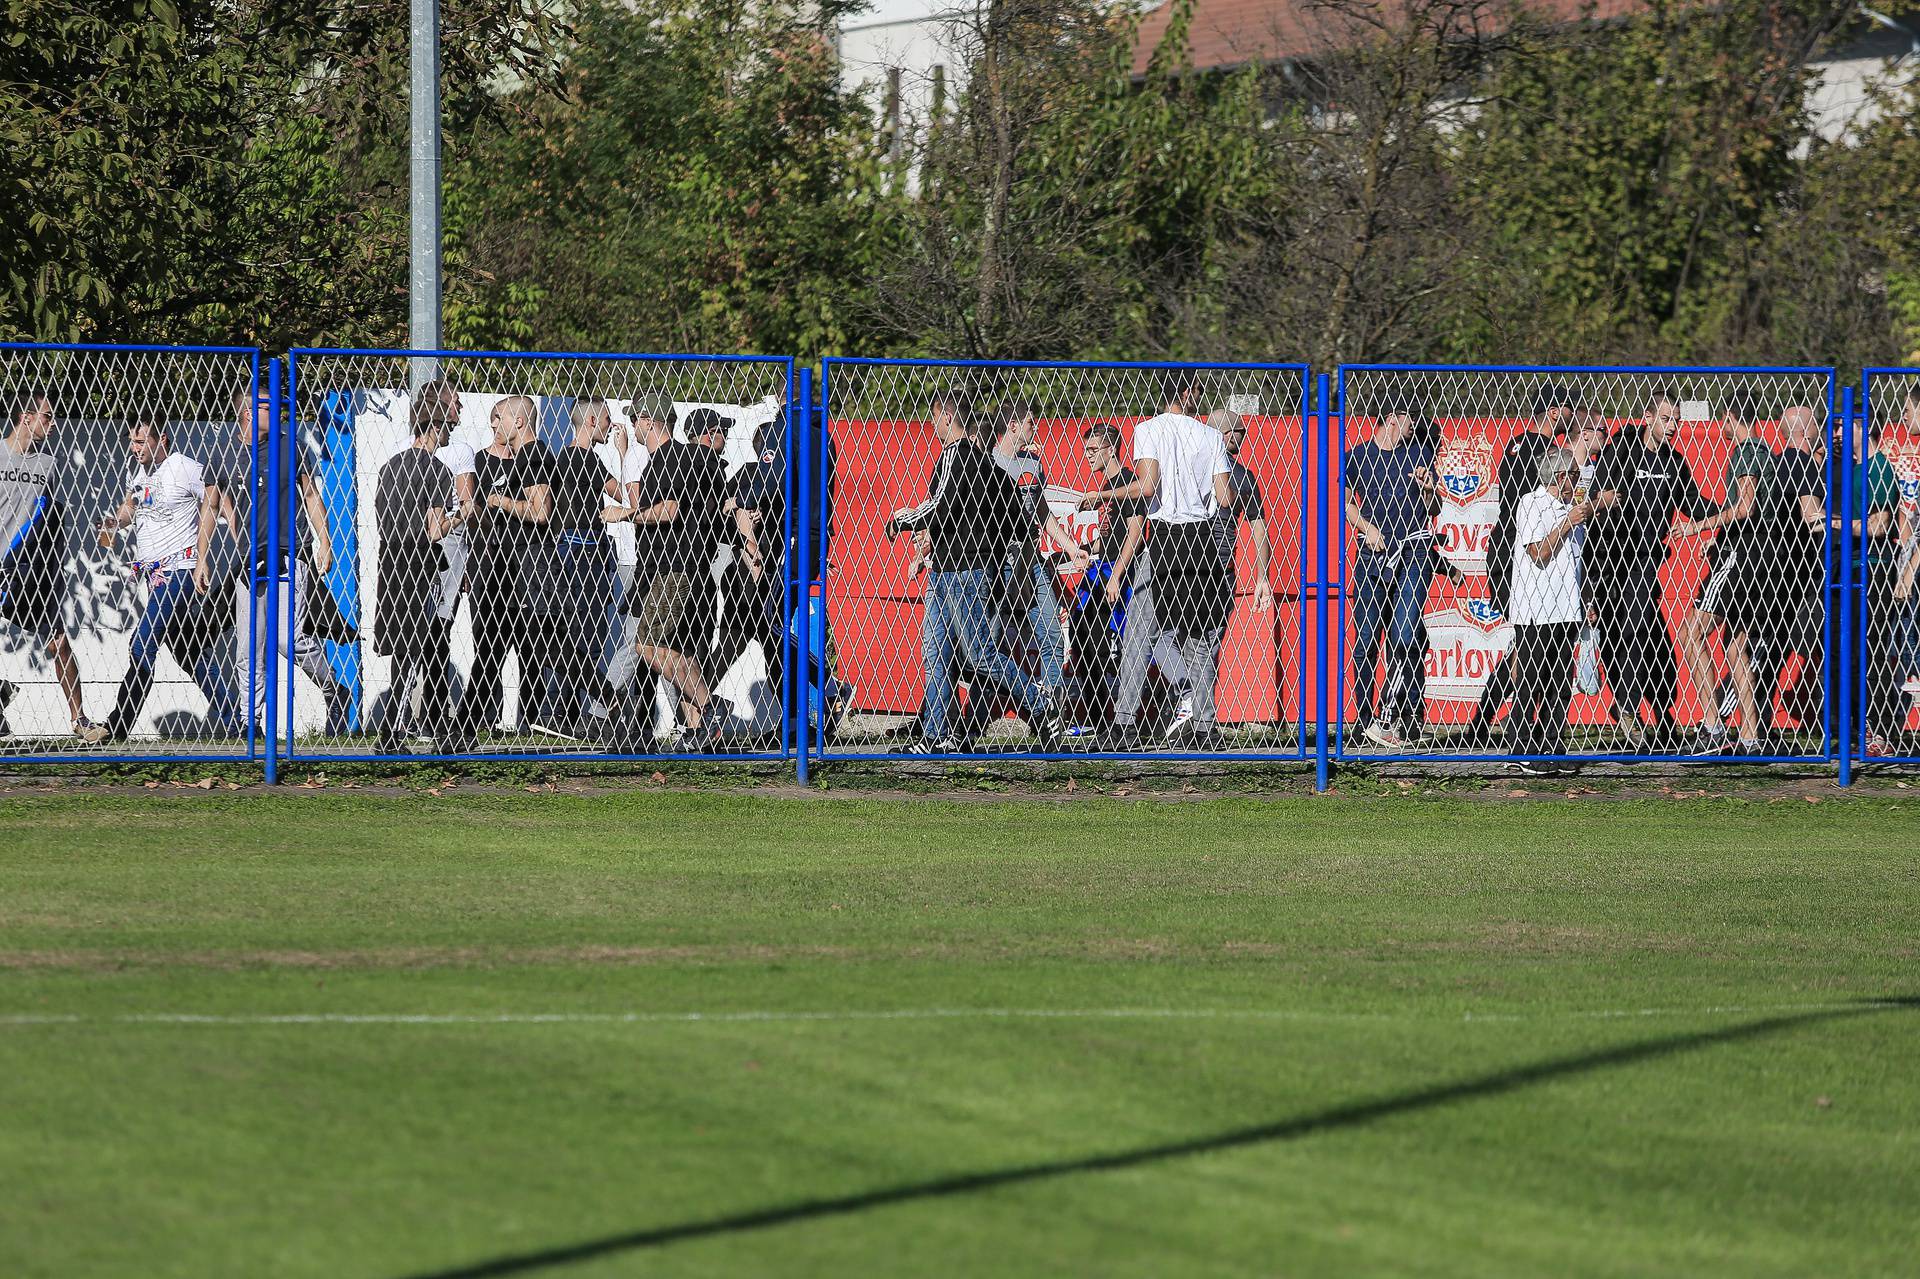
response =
{"points": [[1371, 538], [1423, 477], [322, 556], [1090, 500], [1113, 589], [916, 567], [1077, 557], [496, 501], [1684, 530], [1605, 500], [202, 576], [1262, 595], [1578, 514]]}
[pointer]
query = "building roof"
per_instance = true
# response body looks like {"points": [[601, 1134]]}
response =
{"points": [[1227, 33]]}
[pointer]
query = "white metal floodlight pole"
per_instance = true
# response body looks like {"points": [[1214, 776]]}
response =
{"points": [[423, 320]]}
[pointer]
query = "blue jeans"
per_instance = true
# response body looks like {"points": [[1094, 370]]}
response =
{"points": [[171, 618], [959, 625], [1390, 595], [1044, 620]]}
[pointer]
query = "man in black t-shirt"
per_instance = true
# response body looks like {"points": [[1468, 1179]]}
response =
{"points": [[674, 507], [751, 584], [586, 498], [1799, 545], [1099, 613], [414, 507], [510, 563]]}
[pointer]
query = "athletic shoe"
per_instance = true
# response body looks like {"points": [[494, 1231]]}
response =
{"points": [[1528, 768], [89, 733], [1182, 716], [921, 746], [1120, 739], [1878, 747], [391, 745], [1748, 748], [1049, 724], [1708, 743], [1636, 734], [1383, 735], [1206, 741], [8, 691]]}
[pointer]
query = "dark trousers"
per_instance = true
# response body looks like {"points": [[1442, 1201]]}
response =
{"points": [[1876, 647], [1635, 646], [749, 613], [423, 657], [499, 626], [585, 580], [1543, 687]]}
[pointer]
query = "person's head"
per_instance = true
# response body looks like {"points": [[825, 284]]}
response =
{"points": [[1559, 472], [1552, 407], [707, 428], [31, 412], [1662, 417], [771, 439], [1910, 411], [435, 411], [652, 416], [511, 420], [1232, 428], [1014, 419], [1100, 443], [147, 440], [252, 415], [952, 415], [1736, 423], [591, 419], [1588, 435], [1800, 427], [1179, 390], [1393, 428]]}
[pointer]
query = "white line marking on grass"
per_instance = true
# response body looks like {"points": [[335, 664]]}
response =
{"points": [[877, 1014]]}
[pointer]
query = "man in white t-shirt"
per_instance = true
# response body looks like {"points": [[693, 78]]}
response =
{"points": [[1544, 605], [1179, 585], [163, 505]]}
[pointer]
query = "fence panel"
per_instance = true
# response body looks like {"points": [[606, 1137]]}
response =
{"points": [[1680, 612], [1884, 682], [1063, 628], [122, 635], [538, 556]]}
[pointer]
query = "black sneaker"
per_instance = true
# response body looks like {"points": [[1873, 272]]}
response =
{"points": [[1706, 743], [8, 691], [1049, 724], [1205, 741], [1119, 739]]}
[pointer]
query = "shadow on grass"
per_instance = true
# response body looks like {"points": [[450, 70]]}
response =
{"points": [[1351, 1115]]}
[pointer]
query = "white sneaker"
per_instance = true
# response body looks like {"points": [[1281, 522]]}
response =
{"points": [[1182, 716], [1383, 735]]}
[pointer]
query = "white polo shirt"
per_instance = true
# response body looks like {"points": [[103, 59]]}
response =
{"points": [[1190, 453], [166, 508], [1549, 593]]}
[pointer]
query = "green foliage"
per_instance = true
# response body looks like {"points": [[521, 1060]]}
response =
{"points": [[704, 183]]}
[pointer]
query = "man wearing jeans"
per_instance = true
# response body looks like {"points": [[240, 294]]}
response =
{"points": [[1178, 582], [1017, 456], [974, 524], [1391, 502], [306, 551]]}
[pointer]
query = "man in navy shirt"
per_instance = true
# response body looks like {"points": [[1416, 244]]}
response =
{"points": [[1391, 502]]}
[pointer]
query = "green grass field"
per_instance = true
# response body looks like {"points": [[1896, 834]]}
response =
{"points": [[706, 1035]]}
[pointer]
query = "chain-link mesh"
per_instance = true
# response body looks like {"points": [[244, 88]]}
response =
{"points": [[120, 628], [538, 555], [1544, 564], [1884, 682], [1002, 578]]}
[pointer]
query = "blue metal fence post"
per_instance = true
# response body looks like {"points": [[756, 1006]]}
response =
{"points": [[265, 668], [800, 669], [1845, 684], [1323, 587]]}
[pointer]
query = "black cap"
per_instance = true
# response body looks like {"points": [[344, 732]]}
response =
{"points": [[704, 422], [1554, 397], [1405, 402]]}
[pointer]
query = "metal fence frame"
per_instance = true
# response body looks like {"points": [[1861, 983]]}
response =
{"points": [[1333, 722], [791, 728], [1321, 528], [259, 737], [822, 753]]}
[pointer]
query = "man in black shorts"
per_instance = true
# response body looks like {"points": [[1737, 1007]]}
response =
{"points": [[414, 507], [32, 548], [674, 504]]}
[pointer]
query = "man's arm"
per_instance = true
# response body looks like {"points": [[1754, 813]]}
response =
{"points": [[1076, 553], [1129, 547], [1746, 495], [210, 504], [665, 511], [1547, 547], [1369, 535], [1143, 486], [1262, 557], [317, 517], [908, 518], [534, 508]]}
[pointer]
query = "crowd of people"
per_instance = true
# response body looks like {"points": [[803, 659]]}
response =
{"points": [[1588, 520], [1155, 592], [519, 531], [1120, 651]]}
